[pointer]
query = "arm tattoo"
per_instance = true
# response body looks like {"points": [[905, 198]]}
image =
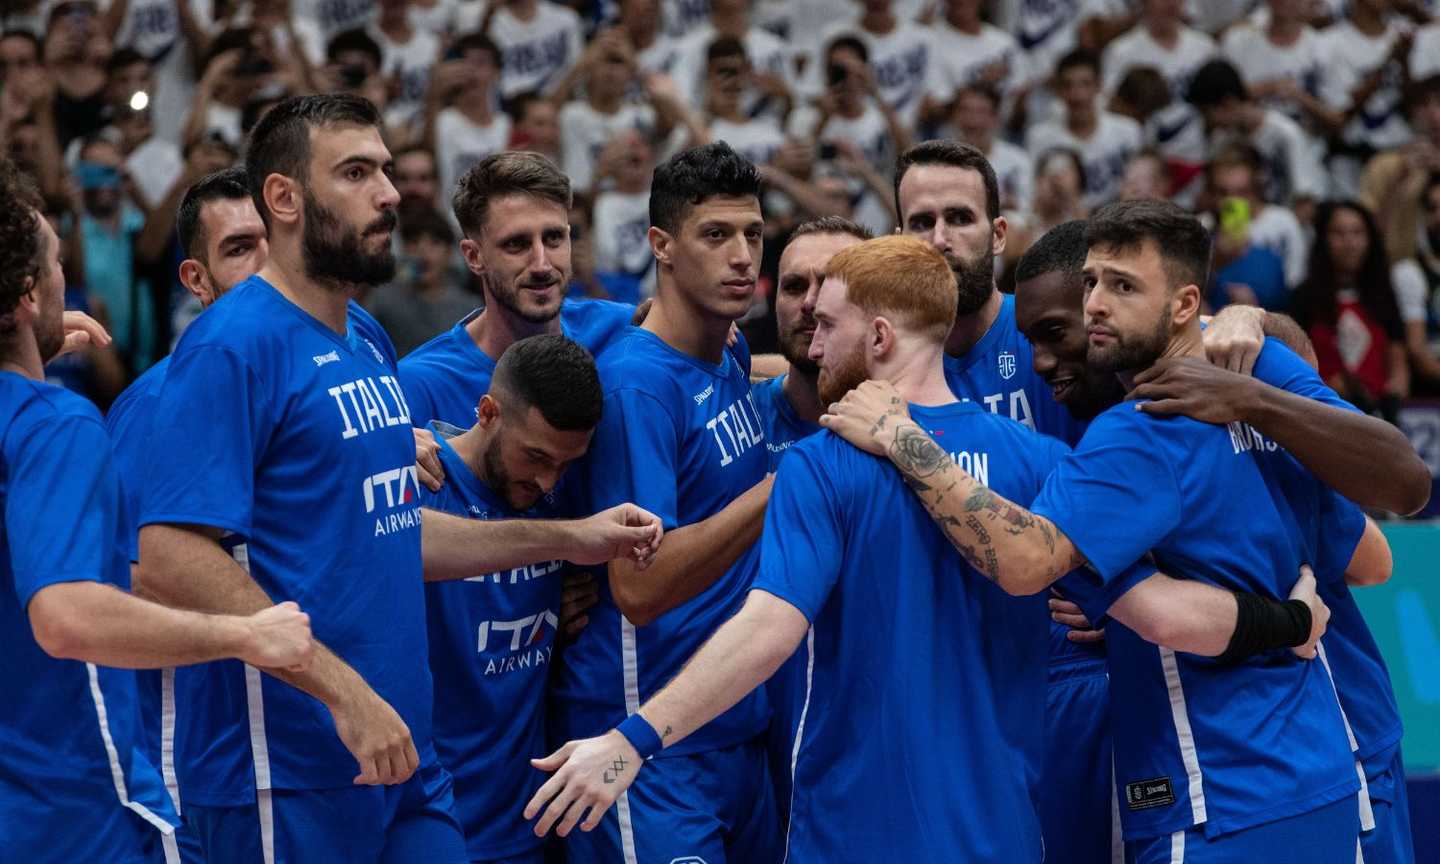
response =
{"points": [[666, 733], [917, 453]]}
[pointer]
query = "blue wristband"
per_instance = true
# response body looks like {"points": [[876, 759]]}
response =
{"points": [[641, 735]]}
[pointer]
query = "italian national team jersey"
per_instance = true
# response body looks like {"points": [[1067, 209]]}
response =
{"points": [[1198, 743], [75, 782], [680, 437], [296, 441], [783, 427], [926, 696], [492, 638], [445, 378]]}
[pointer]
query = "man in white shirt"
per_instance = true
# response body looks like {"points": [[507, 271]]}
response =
{"points": [[1284, 64], [976, 118], [408, 55], [769, 58], [1160, 40], [756, 138], [470, 128], [171, 34], [1366, 54], [903, 54], [1235, 173], [538, 40], [973, 52], [1105, 141], [607, 72]]}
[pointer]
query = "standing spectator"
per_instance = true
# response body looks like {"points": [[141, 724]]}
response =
{"points": [[1235, 173], [94, 372], [408, 56], [28, 104], [1107, 141], [470, 128], [172, 34], [109, 228], [538, 40], [1162, 41], [769, 59], [1060, 191], [903, 54], [1348, 307], [852, 109], [1392, 182], [436, 17], [535, 125], [976, 118], [655, 52], [237, 66], [1284, 65], [1146, 178], [416, 178], [326, 19], [353, 65], [624, 264], [75, 55], [727, 80], [1291, 171], [1417, 295], [607, 70], [425, 297], [152, 162], [1366, 55], [973, 52]]}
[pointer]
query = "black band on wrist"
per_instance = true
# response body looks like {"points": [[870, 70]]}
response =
{"points": [[1262, 624]]}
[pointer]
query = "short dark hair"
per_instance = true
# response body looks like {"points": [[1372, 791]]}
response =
{"points": [[423, 219], [722, 47], [21, 252], [851, 41], [1077, 59], [1216, 83], [556, 376], [353, 40], [1183, 242], [27, 35], [1061, 249], [981, 89], [690, 177], [280, 142], [229, 39], [227, 184], [1144, 90], [956, 155], [517, 105], [510, 172], [478, 41], [832, 225], [123, 57]]}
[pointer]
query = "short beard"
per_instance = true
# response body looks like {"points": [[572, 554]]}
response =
{"points": [[335, 255], [50, 333], [1132, 353], [798, 356], [508, 297], [975, 281], [843, 377]]}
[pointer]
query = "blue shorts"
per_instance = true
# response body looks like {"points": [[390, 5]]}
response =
{"points": [[1077, 779], [187, 845], [1323, 836], [1390, 842], [706, 808], [414, 821]]}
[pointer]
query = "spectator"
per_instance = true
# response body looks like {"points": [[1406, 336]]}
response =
{"points": [[1348, 307], [655, 52], [152, 162], [408, 56], [327, 19], [769, 79], [1234, 174], [237, 67], [974, 53], [425, 298], [1108, 141], [28, 101], [851, 109], [353, 65], [1392, 182], [1417, 295], [535, 126], [1060, 192], [109, 227], [75, 55], [727, 80], [976, 118], [538, 41], [1284, 66], [415, 176], [1367, 55], [1146, 178], [607, 71], [94, 372], [1162, 41], [624, 264], [172, 34], [904, 55], [470, 128], [1291, 173]]}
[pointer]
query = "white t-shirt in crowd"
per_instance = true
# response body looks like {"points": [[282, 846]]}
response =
{"points": [[1350, 56], [1046, 29], [438, 19], [619, 229], [460, 143], [757, 140], [1136, 47], [1410, 286], [905, 63], [868, 132], [410, 64], [332, 17], [1105, 154], [536, 52], [1258, 61], [963, 58], [766, 52], [584, 132], [152, 27], [659, 56], [1015, 171], [1277, 229], [799, 23], [1292, 162], [154, 166], [682, 16]]}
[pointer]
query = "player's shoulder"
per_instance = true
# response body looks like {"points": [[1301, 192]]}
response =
{"points": [[249, 315], [1241, 38], [439, 350], [595, 323], [141, 391], [31, 406], [1196, 40]]}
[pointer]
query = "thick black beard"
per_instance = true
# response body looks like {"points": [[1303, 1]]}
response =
{"points": [[1133, 354], [975, 282], [333, 254]]}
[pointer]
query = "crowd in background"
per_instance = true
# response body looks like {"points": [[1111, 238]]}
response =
{"points": [[1307, 133]]}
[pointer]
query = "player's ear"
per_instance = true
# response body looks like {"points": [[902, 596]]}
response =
{"points": [[474, 262], [282, 197], [660, 242], [488, 411], [1000, 229], [192, 276], [881, 337], [1185, 304]]}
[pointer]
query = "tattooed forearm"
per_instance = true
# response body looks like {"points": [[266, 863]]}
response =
{"points": [[917, 453]]}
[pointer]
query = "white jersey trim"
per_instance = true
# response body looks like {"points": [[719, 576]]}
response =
{"points": [[167, 736], [630, 671], [1367, 811], [117, 774], [627, 830], [1186, 737], [259, 746], [800, 732], [1177, 848]]}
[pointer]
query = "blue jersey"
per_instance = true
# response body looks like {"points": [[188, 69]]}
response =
{"points": [[682, 438], [1198, 743], [492, 638], [998, 373], [888, 766], [783, 427], [445, 378], [74, 781], [297, 441]]}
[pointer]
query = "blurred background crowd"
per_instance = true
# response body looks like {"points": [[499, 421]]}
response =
{"points": [[1307, 133]]}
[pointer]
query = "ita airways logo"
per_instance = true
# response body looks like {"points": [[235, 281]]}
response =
{"points": [[393, 498], [1006, 362]]}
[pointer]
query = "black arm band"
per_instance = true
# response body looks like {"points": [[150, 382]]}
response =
{"points": [[1262, 624]]}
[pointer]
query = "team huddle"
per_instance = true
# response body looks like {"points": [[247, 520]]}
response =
{"points": [[1062, 576]]}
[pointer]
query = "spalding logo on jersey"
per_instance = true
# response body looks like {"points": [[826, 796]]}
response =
{"points": [[1007, 365]]}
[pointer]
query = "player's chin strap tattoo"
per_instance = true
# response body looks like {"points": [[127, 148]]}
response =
{"points": [[1022, 552]]}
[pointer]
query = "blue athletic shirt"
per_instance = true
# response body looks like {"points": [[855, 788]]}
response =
{"points": [[783, 427], [492, 638], [1229, 747], [682, 438], [298, 441], [445, 378], [74, 778], [998, 373], [923, 704]]}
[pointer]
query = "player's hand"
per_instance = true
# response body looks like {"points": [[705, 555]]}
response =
{"points": [[278, 638], [576, 597], [867, 416], [1305, 590], [1194, 388], [623, 531], [82, 331], [375, 735], [427, 460], [586, 776], [1063, 611], [1234, 338]]}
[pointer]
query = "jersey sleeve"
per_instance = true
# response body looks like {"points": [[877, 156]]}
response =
{"points": [[804, 535], [634, 456], [1280, 367], [217, 422], [1116, 496], [418, 397], [61, 517], [1342, 524], [1095, 595], [129, 436]]}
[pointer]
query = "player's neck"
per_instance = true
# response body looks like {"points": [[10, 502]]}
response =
{"points": [[918, 373], [1165, 32], [523, 10], [802, 390], [470, 447], [497, 328], [879, 23], [735, 24], [1185, 342], [24, 357], [687, 330], [970, 329], [326, 303], [1083, 122]]}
